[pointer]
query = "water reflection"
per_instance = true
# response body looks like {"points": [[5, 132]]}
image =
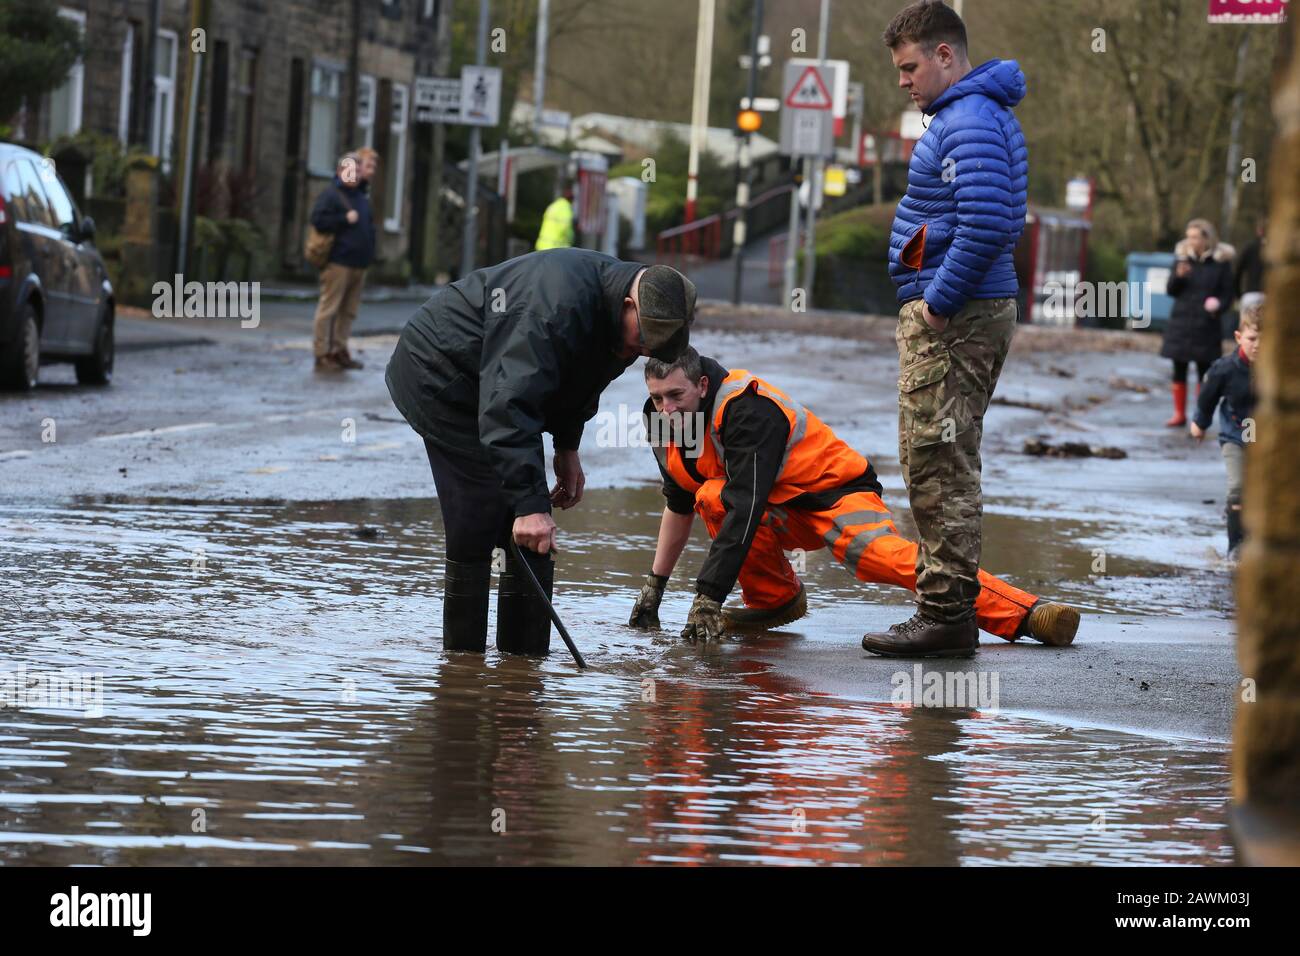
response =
{"points": [[288, 701]]}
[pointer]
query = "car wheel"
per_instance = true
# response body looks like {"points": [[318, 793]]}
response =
{"points": [[21, 366], [97, 368]]}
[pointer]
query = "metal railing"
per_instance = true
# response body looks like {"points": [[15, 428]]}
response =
{"points": [[708, 238]]}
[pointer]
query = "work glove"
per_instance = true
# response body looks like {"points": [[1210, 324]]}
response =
{"points": [[704, 623], [645, 613]]}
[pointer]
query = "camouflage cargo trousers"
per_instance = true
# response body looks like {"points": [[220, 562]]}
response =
{"points": [[945, 382]]}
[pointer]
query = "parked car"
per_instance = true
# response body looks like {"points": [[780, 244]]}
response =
{"points": [[56, 303]]}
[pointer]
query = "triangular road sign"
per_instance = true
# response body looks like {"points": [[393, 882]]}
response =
{"points": [[810, 92]]}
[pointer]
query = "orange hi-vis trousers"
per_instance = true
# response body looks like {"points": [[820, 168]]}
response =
{"points": [[861, 535]]}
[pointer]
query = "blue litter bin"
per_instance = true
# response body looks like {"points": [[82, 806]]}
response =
{"points": [[1153, 269]]}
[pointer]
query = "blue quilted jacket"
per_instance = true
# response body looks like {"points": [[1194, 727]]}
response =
{"points": [[966, 186]]}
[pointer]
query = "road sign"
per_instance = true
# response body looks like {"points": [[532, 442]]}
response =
{"points": [[807, 125], [558, 118], [810, 131], [480, 95], [437, 99], [1247, 11], [808, 91], [836, 183]]}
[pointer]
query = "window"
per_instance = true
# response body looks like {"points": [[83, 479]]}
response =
{"points": [[394, 182], [34, 203], [322, 140], [124, 97], [164, 98], [60, 203], [245, 79], [65, 102], [218, 99], [366, 109], [430, 9], [12, 184]]}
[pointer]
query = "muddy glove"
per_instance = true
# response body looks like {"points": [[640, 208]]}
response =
{"points": [[645, 613], [704, 623]]}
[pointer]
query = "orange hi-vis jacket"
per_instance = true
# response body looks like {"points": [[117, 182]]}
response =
{"points": [[815, 459]]}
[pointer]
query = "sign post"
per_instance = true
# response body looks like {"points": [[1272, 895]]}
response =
{"points": [[437, 99]]}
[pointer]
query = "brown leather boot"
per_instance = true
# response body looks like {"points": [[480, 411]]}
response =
{"points": [[1050, 623], [345, 359], [327, 363], [762, 619], [921, 637]]}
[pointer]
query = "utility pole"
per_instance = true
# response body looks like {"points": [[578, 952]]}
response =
{"points": [[1232, 173], [700, 103], [791, 244], [475, 150], [539, 65], [149, 42], [812, 172], [194, 77], [745, 178]]}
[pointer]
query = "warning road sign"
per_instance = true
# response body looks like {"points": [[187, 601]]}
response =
{"points": [[807, 127], [809, 91]]}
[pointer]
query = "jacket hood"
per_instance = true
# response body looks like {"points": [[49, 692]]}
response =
{"points": [[1000, 80], [1222, 252], [363, 186]]}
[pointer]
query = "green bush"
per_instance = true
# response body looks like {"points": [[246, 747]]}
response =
{"points": [[1106, 261], [859, 233], [666, 197]]}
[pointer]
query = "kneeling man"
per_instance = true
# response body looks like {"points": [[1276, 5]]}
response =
{"points": [[768, 476]]}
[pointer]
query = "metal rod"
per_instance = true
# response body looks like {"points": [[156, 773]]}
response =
{"points": [[537, 586]]}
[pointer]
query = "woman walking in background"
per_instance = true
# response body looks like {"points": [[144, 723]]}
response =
{"points": [[1201, 286]]}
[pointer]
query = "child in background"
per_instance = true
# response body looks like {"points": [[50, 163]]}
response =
{"points": [[1228, 388]]}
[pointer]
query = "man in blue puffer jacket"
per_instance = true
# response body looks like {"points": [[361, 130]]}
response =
{"points": [[950, 254]]}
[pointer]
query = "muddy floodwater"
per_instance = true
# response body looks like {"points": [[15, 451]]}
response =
{"points": [[274, 691]]}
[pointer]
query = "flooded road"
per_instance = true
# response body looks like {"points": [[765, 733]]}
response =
{"points": [[274, 691]]}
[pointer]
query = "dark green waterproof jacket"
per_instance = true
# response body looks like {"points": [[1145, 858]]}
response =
{"points": [[511, 351]]}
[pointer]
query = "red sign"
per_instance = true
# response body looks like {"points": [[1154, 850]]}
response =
{"points": [[1248, 11], [810, 92]]}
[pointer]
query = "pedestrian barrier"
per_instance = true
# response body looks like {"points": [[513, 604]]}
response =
{"points": [[710, 237]]}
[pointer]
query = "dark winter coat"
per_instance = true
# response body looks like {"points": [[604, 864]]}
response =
{"points": [[1193, 334], [511, 351], [354, 243], [1251, 268], [1227, 385]]}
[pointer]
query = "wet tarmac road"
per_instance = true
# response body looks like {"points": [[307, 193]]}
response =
{"points": [[273, 688]]}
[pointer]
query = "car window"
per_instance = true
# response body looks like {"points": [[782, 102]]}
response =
{"points": [[12, 185], [38, 210], [65, 214]]}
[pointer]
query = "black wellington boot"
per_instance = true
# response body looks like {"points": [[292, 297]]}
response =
{"points": [[1235, 533], [465, 590], [523, 623]]}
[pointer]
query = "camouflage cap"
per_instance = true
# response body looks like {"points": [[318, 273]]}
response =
{"points": [[666, 303]]}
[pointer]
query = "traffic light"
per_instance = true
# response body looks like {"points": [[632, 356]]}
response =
{"points": [[749, 121]]}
